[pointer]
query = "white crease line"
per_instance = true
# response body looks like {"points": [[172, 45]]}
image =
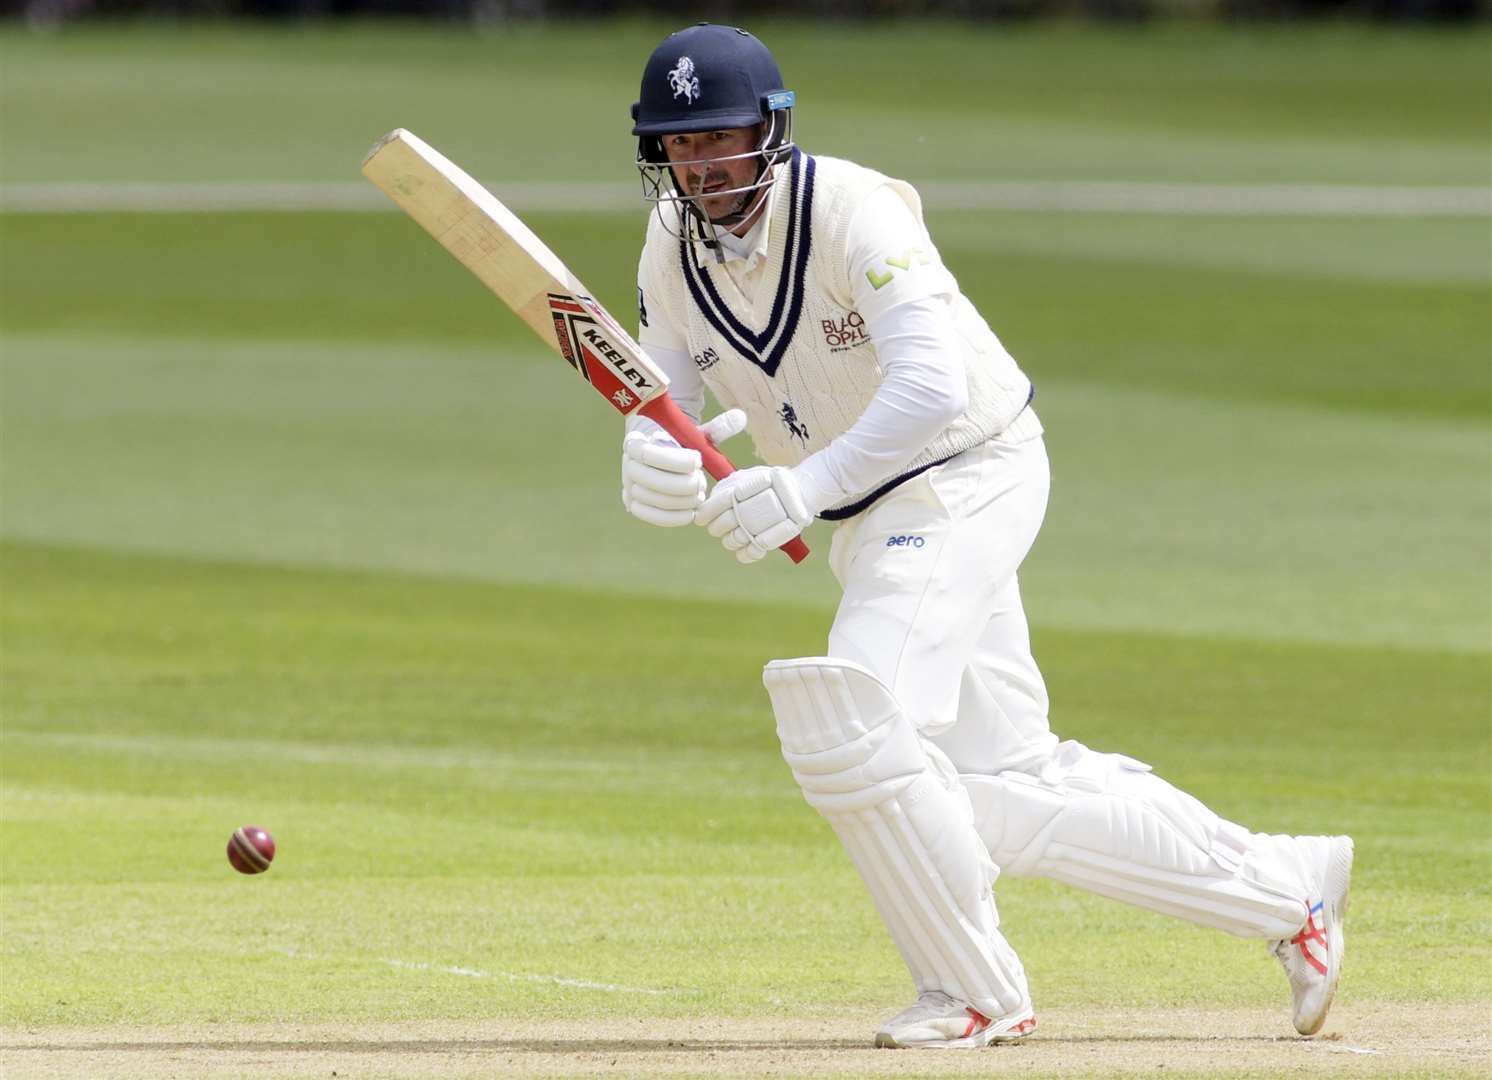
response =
{"points": [[1102, 196], [558, 980], [1341, 1048], [477, 973]]}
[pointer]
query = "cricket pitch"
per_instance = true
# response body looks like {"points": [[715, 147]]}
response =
{"points": [[1371, 1040]]}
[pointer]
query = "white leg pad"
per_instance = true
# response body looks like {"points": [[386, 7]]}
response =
{"points": [[906, 823], [1106, 823]]}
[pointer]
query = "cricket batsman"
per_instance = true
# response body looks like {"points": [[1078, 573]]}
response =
{"points": [[806, 293]]}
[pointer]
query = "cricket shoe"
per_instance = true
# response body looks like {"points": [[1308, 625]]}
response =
{"points": [[937, 1021], [1313, 957]]}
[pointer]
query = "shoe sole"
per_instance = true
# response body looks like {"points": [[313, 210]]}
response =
{"points": [[988, 1037], [1338, 884]]}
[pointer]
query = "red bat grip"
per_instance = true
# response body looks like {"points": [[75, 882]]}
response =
{"points": [[665, 412]]}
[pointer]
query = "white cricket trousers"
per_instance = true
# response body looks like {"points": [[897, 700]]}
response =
{"points": [[931, 603], [932, 608]]}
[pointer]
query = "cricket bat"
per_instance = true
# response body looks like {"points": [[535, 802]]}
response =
{"points": [[490, 241]]}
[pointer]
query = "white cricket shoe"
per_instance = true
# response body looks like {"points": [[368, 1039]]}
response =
{"points": [[938, 1021], [1313, 957]]}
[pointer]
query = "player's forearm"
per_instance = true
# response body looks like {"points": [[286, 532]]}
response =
{"points": [[924, 390], [666, 343], [684, 384]]}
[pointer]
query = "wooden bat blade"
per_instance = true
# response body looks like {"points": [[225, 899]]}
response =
{"points": [[473, 225]]}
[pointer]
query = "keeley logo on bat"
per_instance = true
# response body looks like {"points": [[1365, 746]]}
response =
{"points": [[616, 359], [581, 327]]}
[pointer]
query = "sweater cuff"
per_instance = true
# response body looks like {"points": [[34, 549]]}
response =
{"points": [[817, 485]]}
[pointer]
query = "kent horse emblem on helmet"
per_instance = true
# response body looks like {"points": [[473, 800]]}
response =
{"points": [[683, 81]]}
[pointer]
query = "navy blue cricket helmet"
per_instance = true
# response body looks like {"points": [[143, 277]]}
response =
{"points": [[710, 78]]}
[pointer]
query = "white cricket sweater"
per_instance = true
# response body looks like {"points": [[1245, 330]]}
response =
{"points": [[834, 324]]}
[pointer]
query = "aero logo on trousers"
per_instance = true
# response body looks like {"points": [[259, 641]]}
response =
{"points": [[905, 541]]}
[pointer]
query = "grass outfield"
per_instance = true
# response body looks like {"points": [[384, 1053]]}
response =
{"points": [[1350, 104], [1291, 445], [457, 779], [297, 528], [477, 824]]}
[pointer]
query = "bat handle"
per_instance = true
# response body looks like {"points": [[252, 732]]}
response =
{"points": [[665, 412]]}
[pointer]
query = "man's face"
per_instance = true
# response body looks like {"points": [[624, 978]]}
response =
{"points": [[712, 174]]}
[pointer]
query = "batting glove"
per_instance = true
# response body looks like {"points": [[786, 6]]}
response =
{"points": [[663, 482], [754, 511]]}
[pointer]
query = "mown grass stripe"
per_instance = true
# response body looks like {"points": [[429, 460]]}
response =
{"points": [[1102, 196]]}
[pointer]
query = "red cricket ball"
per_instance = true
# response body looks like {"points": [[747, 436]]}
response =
{"points": [[251, 850]]}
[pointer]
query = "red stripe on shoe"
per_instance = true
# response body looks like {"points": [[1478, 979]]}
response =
{"points": [[1311, 932], [977, 1023]]}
